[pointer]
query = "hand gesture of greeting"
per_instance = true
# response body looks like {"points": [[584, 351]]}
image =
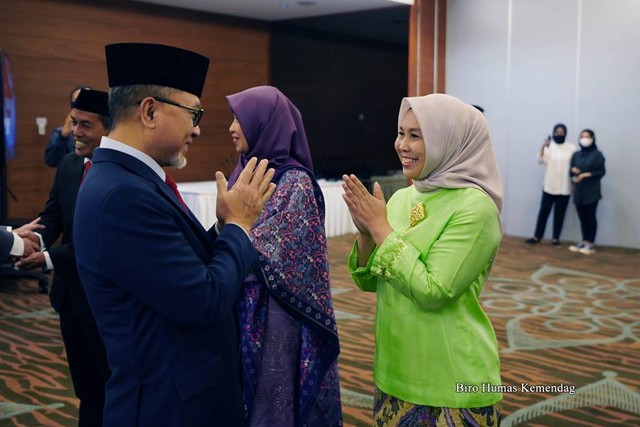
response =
{"points": [[243, 203], [368, 211]]}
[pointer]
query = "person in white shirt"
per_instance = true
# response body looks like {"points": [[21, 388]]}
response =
{"points": [[555, 154]]}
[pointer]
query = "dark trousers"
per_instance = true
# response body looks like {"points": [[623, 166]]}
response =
{"points": [[87, 363], [588, 221], [559, 204]]}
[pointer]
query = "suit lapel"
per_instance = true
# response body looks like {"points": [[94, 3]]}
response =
{"points": [[72, 181], [139, 168]]}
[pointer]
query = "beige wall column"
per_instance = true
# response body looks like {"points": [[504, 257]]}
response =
{"points": [[427, 34]]}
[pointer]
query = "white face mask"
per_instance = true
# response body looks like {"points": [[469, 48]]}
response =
{"points": [[586, 142]]}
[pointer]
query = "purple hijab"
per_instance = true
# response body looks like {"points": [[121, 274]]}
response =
{"points": [[273, 128]]}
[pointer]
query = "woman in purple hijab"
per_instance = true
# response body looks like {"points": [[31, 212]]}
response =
{"points": [[288, 328]]}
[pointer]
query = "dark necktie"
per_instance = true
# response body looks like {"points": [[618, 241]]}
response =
{"points": [[174, 187], [87, 165]]}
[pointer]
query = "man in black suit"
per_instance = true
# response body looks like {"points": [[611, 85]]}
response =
{"points": [[84, 346]]}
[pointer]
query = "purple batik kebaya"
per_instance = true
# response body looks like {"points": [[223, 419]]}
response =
{"points": [[288, 329]]}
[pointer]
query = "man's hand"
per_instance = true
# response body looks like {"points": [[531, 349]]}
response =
{"points": [[32, 259], [67, 127], [32, 237], [28, 229], [243, 204]]}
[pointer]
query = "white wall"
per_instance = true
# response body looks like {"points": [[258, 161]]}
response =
{"points": [[534, 63]]}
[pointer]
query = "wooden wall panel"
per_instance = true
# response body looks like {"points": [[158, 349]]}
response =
{"points": [[56, 44], [442, 45], [427, 47]]}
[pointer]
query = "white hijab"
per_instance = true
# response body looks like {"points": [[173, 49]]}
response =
{"points": [[458, 148]]}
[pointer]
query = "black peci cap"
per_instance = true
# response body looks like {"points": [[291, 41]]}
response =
{"points": [[93, 101], [155, 64]]}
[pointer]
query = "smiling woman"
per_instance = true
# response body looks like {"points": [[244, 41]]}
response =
{"points": [[238, 138], [410, 146], [427, 254]]}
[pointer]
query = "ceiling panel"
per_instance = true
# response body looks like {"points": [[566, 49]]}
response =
{"points": [[277, 10]]}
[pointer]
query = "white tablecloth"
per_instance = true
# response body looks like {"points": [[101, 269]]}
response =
{"points": [[201, 199]]}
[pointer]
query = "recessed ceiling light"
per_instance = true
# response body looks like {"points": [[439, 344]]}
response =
{"points": [[283, 5], [307, 2]]}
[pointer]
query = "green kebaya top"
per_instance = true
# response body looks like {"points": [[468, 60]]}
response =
{"points": [[433, 340]]}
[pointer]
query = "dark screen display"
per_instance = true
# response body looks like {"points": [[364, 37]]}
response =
{"points": [[8, 108]]}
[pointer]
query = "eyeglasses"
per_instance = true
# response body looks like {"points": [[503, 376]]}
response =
{"points": [[197, 112]]}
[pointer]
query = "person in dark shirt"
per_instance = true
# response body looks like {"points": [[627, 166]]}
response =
{"points": [[83, 345], [587, 169]]}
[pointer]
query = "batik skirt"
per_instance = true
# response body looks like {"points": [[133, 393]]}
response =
{"points": [[389, 411]]}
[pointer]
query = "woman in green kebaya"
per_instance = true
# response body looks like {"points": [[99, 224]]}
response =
{"points": [[427, 254]]}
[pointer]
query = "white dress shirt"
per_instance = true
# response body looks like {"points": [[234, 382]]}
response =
{"points": [[17, 249]]}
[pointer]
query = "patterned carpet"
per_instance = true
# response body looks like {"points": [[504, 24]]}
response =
{"points": [[568, 327]]}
